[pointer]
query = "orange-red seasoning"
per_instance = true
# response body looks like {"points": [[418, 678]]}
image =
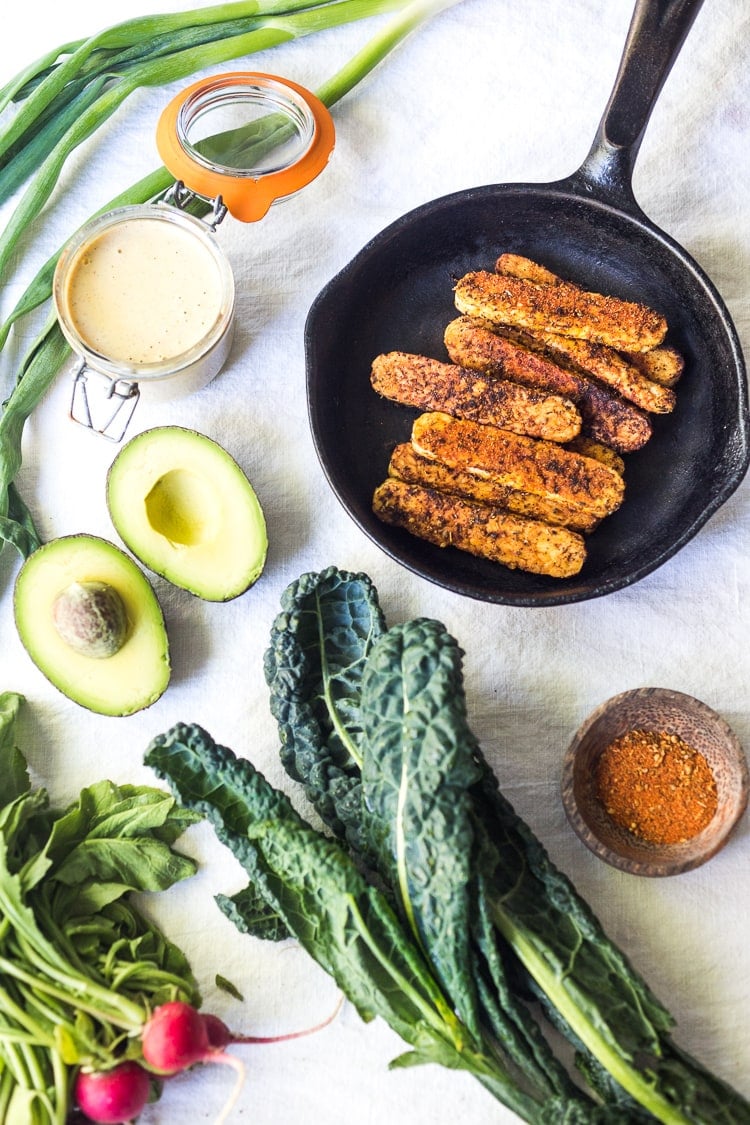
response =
{"points": [[657, 786]]}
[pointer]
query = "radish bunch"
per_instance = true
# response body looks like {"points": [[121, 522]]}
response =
{"points": [[176, 1037]]}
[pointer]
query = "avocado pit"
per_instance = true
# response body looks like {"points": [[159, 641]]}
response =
{"points": [[91, 618], [90, 621]]}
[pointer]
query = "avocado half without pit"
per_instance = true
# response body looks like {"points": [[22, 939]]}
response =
{"points": [[89, 619], [187, 511]]}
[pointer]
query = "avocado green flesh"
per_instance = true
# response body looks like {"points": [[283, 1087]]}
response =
{"points": [[132, 678], [186, 509]]}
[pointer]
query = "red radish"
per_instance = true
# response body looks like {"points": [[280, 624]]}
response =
{"points": [[219, 1035], [174, 1038], [112, 1097], [177, 1036]]}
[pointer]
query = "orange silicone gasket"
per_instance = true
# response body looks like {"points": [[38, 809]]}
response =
{"points": [[247, 196]]}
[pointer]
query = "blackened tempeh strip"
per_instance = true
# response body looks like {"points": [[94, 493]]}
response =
{"points": [[561, 308], [430, 384], [587, 447], [475, 344], [526, 464], [610, 368], [606, 416], [662, 364], [409, 466], [481, 530]]}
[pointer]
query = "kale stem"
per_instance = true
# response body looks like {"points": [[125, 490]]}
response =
{"points": [[435, 1009], [639, 1086], [331, 707], [490, 1071]]}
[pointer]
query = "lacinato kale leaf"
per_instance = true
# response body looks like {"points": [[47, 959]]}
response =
{"points": [[415, 717], [251, 914], [590, 988], [318, 648], [416, 776], [303, 650], [306, 878], [346, 924]]}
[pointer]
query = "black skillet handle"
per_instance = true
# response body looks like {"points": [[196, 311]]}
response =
{"points": [[657, 32]]}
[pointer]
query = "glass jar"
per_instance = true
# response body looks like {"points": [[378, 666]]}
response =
{"points": [[144, 294]]}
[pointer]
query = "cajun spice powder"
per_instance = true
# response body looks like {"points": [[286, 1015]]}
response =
{"points": [[656, 786]]}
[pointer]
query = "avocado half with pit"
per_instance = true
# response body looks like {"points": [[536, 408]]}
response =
{"points": [[89, 619], [184, 507]]}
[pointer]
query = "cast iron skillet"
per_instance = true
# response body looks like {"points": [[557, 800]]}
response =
{"points": [[397, 294]]}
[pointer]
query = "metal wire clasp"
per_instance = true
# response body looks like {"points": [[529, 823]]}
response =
{"points": [[119, 396], [180, 196]]}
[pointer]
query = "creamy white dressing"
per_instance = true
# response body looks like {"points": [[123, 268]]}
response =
{"points": [[143, 291]]}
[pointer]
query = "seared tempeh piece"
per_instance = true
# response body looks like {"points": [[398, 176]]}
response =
{"points": [[409, 466], [479, 529], [474, 343], [561, 308], [525, 464], [587, 447], [430, 384], [613, 421], [661, 365], [516, 265], [609, 367]]}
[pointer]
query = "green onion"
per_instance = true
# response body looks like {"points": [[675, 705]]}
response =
{"points": [[44, 88]]}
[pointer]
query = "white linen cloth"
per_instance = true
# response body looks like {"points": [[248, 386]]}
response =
{"points": [[489, 91]]}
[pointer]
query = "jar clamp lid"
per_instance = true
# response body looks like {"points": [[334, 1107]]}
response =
{"points": [[236, 143], [247, 139]]}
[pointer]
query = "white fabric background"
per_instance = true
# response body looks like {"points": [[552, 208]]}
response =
{"points": [[489, 91]]}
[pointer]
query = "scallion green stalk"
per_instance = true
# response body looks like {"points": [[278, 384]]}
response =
{"points": [[47, 354], [12, 89], [122, 35]]}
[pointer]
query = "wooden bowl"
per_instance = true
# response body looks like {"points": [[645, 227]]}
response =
{"points": [[653, 709]]}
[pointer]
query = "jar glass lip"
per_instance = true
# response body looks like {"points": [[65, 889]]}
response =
{"points": [[71, 256], [246, 129]]}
